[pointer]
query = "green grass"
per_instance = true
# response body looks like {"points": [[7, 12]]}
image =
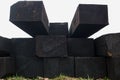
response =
{"points": [[61, 77]]}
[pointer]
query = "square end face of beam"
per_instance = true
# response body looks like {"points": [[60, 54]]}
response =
{"points": [[30, 16], [58, 29], [93, 14], [113, 66], [7, 66], [54, 67], [5, 47], [51, 46], [81, 47], [29, 67], [23, 47], [108, 45], [88, 19], [51, 67], [66, 66], [90, 66]]}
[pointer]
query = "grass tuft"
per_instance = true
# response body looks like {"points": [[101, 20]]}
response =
{"points": [[61, 77]]}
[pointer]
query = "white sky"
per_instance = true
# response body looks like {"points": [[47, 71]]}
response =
{"points": [[60, 11]]}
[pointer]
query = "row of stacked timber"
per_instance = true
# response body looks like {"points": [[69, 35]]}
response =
{"points": [[54, 50]]}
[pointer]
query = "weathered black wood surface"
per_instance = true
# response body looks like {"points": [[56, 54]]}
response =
{"points": [[108, 45], [30, 16], [113, 66], [94, 67], [88, 19], [58, 29], [27, 63], [81, 47], [7, 66], [5, 47], [54, 67], [51, 46]]}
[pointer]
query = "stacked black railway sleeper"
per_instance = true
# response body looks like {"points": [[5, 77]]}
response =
{"points": [[109, 46], [54, 50], [7, 63]]}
